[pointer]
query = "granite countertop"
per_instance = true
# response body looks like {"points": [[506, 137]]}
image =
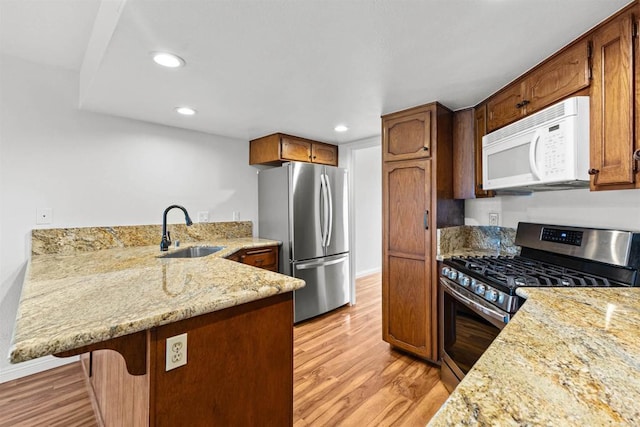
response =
{"points": [[570, 356], [476, 241], [72, 300]]}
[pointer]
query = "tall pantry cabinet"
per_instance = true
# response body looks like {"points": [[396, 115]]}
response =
{"points": [[417, 199]]}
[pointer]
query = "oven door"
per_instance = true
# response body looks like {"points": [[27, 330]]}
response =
{"points": [[468, 326]]}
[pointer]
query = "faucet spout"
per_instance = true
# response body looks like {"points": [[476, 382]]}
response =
{"points": [[166, 237]]}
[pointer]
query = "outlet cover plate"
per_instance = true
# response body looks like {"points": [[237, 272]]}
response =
{"points": [[494, 219], [203, 216], [176, 353], [44, 216]]}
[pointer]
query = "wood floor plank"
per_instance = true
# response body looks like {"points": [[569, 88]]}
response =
{"points": [[344, 375], [57, 397]]}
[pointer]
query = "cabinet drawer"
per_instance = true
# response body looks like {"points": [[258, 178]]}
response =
{"points": [[262, 257]]}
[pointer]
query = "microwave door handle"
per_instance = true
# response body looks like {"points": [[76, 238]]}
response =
{"points": [[532, 154]]}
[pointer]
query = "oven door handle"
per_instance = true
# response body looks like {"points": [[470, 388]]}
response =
{"points": [[472, 304]]}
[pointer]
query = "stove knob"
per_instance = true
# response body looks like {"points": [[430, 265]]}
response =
{"points": [[491, 295], [473, 283], [452, 274], [480, 289], [445, 271], [465, 282]]}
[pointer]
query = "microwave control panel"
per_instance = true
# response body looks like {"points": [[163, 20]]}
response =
{"points": [[553, 150]]}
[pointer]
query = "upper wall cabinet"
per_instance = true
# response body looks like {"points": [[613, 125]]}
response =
{"points": [[480, 129], [278, 148], [560, 76], [407, 136], [469, 126], [614, 105]]}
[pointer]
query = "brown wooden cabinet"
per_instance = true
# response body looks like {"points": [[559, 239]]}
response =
{"points": [[407, 297], [265, 257], [122, 399], [506, 106], [469, 126], [278, 148], [480, 130], [614, 105], [407, 136], [239, 371], [561, 75], [417, 198]]}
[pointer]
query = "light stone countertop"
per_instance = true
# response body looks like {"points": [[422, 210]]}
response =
{"points": [[72, 300], [569, 357], [468, 240]]}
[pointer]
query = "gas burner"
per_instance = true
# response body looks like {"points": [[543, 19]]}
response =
{"points": [[509, 273]]}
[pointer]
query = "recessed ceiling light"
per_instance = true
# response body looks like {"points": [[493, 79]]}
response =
{"points": [[341, 128], [168, 60], [185, 111]]}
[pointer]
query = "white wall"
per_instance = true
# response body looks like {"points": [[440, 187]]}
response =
{"points": [[96, 170], [367, 178], [363, 159], [605, 209]]}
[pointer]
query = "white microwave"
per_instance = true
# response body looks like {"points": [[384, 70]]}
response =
{"points": [[548, 150]]}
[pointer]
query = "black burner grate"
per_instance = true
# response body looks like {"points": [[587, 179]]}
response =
{"points": [[513, 272]]}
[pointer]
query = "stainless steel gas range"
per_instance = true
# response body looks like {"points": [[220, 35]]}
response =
{"points": [[478, 294]]}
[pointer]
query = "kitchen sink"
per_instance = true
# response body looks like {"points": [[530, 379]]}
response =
{"points": [[193, 252]]}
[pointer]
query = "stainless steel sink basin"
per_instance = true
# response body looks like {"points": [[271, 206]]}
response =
{"points": [[193, 252]]}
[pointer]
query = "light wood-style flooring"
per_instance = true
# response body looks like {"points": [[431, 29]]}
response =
{"points": [[57, 397], [344, 375]]}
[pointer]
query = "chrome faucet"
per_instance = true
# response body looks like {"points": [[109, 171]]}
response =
{"points": [[166, 237]]}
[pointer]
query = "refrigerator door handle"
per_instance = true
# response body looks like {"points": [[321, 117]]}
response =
{"points": [[320, 263], [330, 199], [325, 209]]}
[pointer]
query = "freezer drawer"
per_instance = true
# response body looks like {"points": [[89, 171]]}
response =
{"points": [[327, 286]]}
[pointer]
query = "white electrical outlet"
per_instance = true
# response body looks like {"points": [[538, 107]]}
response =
{"points": [[494, 218], [44, 216], [236, 216], [203, 216], [176, 354]]}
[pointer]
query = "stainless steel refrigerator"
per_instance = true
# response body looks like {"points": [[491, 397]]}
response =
{"points": [[305, 206]]}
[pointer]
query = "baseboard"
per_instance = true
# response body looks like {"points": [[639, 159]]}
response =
{"points": [[363, 273], [31, 367]]}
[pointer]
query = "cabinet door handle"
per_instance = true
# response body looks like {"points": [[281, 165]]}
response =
{"points": [[425, 220], [636, 155], [593, 171], [425, 148]]}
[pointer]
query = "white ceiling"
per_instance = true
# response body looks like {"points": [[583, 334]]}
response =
{"points": [[254, 67]]}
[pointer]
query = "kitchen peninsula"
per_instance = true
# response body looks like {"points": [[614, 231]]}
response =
{"points": [[90, 289]]}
